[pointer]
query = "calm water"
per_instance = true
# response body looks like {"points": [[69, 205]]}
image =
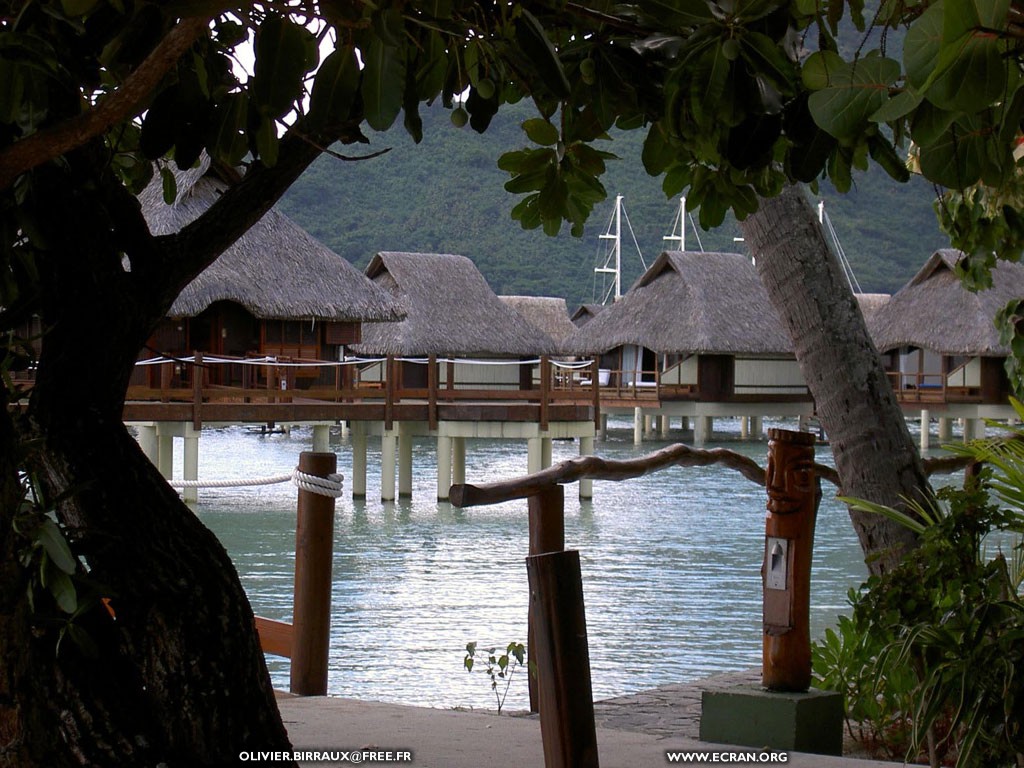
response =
{"points": [[670, 563]]}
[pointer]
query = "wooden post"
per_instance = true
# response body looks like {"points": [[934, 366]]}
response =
{"points": [[197, 392], [547, 534], [595, 374], [311, 611], [545, 390], [793, 495], [563, 660], [432, 392]]}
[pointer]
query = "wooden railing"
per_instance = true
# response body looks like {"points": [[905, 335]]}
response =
{"points": [[917, 387]]}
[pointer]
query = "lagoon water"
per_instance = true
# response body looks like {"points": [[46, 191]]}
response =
{"points": [[671, 566]]}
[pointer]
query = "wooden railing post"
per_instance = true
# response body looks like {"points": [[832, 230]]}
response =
{"points": [[562, 656], [793, 496], [547, 534], [432, 391], [311, 611], [595, 383], [545, 390], [197, 391]]}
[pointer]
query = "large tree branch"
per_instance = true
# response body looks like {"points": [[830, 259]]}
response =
{"points": [[124, 103]]}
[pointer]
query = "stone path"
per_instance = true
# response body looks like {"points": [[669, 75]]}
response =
{"points": [[669, 711]]}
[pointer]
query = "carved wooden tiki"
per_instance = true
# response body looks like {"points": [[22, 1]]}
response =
{"points": [[793, 494]]}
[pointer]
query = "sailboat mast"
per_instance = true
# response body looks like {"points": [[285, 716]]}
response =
{"points": [[618, 247], [681, 218]]}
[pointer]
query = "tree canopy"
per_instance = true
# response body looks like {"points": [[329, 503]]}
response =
{"points": [[737, 98]]}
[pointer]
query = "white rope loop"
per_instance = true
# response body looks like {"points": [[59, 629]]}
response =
{"points": [[323, 486]]}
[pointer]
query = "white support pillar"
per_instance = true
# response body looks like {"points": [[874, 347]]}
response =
{"points": [[148, 443], [444, 467], [458, 460], [638, 425], [803, 423], [945, 428], [703, 427], [387, 465], [344, 430], [666, 426], [970, 427], [744, 427], [358, 479], [586, 485], [648, 425], [321, 438], [602, 432], [545, 452], [190, 466], [684, 424], [756, 428], [926, 425], [534, 455], [404, 463], [165, 452]]}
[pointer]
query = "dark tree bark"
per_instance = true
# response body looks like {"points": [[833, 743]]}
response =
{"points": [[177, 675], [874, 453]]}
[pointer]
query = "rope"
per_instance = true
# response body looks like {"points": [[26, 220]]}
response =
{"points": [[324, 486]]}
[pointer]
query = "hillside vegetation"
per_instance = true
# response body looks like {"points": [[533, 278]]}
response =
{"points": [[446, 195]]}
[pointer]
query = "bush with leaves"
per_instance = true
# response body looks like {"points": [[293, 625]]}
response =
{"points": [[928, 660], [500, 668]]}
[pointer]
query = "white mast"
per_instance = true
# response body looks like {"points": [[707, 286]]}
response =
{"points": [[837, 247], [681, 220], [616, 251]]}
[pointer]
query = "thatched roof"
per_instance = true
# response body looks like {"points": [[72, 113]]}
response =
{"points": [[546, 313], [707, 303], [450, 310], [870, 303], [275, 270], [934, 311], [585, 313]]}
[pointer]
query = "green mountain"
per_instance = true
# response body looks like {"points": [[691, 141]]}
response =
{"points": [[446, 195]]}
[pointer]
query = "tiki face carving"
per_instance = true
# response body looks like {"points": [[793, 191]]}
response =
{"points": [[789, 478]]}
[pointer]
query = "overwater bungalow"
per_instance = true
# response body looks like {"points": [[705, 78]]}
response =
{"points": [[695, 336], [277, 292], [451, 314], [940, 344]]}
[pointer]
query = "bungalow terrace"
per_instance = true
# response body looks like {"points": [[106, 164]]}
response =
{"points": [[276, 292], [695, 336], [940, 344]]}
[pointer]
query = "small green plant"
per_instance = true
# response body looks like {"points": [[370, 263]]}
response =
{"points": [[500, 669]]}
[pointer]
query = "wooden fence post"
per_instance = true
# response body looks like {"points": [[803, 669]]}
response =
{"points": [[547, 534], [563, 661], [793, 495], [311, 612]]}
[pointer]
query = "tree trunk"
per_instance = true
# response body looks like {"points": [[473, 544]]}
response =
{"points": [[874, 453], [173, 673]]}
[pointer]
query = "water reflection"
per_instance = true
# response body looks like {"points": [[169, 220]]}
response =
{"points": [[670, 562]]}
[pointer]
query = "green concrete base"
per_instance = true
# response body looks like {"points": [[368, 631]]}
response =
{"points": [[753, 717]]}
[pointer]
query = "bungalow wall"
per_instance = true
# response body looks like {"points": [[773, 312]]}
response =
{"points": [[769, 376], [507, 375], [679, 372]]}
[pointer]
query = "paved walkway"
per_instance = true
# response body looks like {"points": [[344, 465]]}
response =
{"points": [[633, 731]]}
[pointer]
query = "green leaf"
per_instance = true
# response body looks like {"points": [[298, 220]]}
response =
{"points": [[169, 184], [854, 94], [820, 68], [335, 88], [930, 124], [677, 13], [708, 83], [922, 44], [230, 120], [383, 84], [541, 53], [282, 60], [540, 131], [898, 106], [886, 156], [958, 158], [56, 546], [267, 144]]}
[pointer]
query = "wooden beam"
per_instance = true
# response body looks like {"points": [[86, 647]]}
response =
{"points": [[275, 636]]}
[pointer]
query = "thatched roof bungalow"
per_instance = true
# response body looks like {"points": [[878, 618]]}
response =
{"points": [[548, 314], [450, 312], [939, 339], [698, 325], [276, 291], [585, 313]]}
